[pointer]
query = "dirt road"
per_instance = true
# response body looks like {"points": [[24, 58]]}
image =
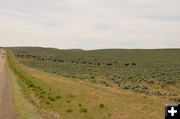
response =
{"points": [[7, 109]]}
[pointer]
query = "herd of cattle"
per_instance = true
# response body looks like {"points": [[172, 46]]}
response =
{"points": [[52, 59]]}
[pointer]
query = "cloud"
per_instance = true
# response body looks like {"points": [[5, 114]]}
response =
{"points": [[90, 24]]}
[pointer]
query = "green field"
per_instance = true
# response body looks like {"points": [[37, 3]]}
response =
{"points": [[153, 72], [99, 84]]}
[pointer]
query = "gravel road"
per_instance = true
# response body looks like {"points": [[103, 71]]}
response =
{"points": [[7, 109]]}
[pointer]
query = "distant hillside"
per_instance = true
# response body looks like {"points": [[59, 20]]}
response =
{"points": [[75, 49]]}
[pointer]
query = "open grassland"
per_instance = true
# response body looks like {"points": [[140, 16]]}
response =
{"points": [[152, 72], [82, 99]]}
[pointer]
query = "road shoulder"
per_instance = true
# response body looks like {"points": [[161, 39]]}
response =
{"points": [[25, 109]]}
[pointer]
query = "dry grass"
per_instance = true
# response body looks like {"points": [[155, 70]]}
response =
{"points": [[119, 104]]}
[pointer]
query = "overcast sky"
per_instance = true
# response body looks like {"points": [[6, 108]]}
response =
{"points": [[90, 24]]}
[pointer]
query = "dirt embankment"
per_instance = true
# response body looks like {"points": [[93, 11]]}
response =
{"points": [[7, 109]]}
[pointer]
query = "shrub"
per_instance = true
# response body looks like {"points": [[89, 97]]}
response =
{"points": [[126, 64], [175, 99], [31, 85], [125, 86], [101, 105], [109, 115], [107, 84], [102, 82], [83, 110], [58, 97], [92, 77], [145, 87], [73, 76], [69, 110], [133, 63], [80, 104], [109, 64], [68, 101], [41, 96], [51, 98], [42, 92]]}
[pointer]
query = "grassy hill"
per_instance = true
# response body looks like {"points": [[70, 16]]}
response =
{"points": [[100, 83]]}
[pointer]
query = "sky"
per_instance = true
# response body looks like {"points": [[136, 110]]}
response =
{"points": [[90, 24]]}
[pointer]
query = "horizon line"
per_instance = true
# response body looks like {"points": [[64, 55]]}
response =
{"points": [[165, 48]]}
